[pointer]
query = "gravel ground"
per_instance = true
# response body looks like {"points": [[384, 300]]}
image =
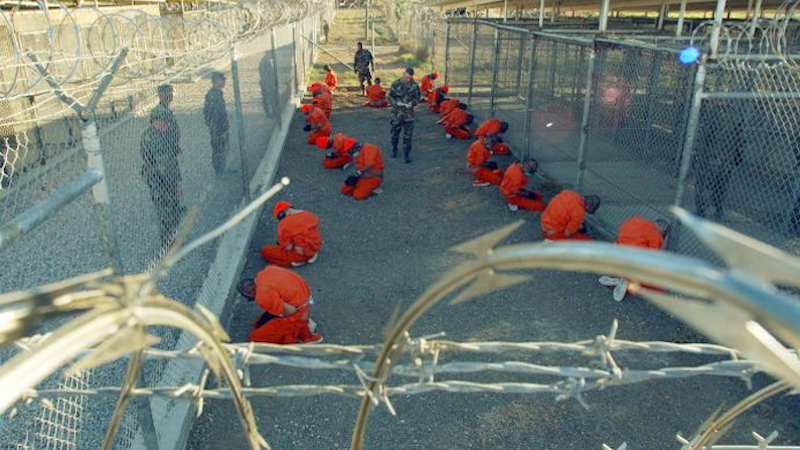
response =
{"points": [[388, 249]]}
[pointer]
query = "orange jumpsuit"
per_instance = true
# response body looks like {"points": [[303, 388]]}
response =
{"points": [[477, 156], [455, 124], [274, 287], [514, 184], [565, 213], [298, 230], [425, 88], [323, 101], [331, 80], [370, 162], [320, 125], [640, 232], [448, 106], [377, 97], [435, 99], [341, 157], [320, 86], [491, 128]]}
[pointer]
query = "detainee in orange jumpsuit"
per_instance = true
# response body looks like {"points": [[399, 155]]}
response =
{"points": [[330, 77], [563, 218], [323, 101], [426, 86], [491, 130], [316, 123], [449, 106], [437, 97], [369, 163], [514, 187], [456, 124], [336, 157], [320, 87], [484, 172], [642, 233], [376, 95], [299, 239], [286, 300]]}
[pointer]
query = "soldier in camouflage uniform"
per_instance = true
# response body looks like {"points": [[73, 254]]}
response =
{"points": [[361, 66], [403, 97], [160, 169], [216, 118]]}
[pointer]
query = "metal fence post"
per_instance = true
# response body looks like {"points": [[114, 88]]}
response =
{"points": [[446, 49], [520, 55], [472, 59], [294, 60], [587, 106], [529, 95], [237, 108], [277, 92], [495, 60]]}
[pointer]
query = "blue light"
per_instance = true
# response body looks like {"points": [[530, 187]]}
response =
{"points": [[689, 55]]}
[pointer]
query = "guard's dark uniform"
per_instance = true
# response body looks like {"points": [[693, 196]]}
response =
{"points": [[162, 173], [362, 62], [407, 93], [216, 117]]}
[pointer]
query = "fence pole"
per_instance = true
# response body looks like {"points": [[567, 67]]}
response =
{"points": [[681, 18], [366, 21], [277, 91], [472, 59], [237, 108], [605, 5], [495, 58], [520, 55], [691, 130], [587, 104], [541, 14], [528, 99], [294, 59], [93, 150], [755, 19], [144, 414], [446, 49], [717, 30]]}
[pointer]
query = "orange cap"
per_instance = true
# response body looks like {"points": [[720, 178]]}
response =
{"points": [[349, 143], [306, 108], [314, 87], [280, 207], [445, 89], [434, 74], [322, 142]]}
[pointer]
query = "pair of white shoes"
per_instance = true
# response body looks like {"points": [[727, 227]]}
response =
{"points": [[311, 260], [513, 207], [620, 286]]}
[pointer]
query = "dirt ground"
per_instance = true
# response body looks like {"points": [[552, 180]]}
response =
{"points": [[390, 248]]}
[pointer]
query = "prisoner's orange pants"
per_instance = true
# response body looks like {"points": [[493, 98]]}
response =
{"points": [[458, 133], [283, 330], [338, 162], [363, 189], [312, 136], [377, 103], [492, 176], [531, 204], [280, 257]]}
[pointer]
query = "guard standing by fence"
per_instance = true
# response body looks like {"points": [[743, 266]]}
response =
{"points": [[161, 170], [362, 62], [216, 118], [404, 97]]}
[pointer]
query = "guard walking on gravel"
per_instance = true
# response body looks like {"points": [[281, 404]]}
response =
{"points": [[161, 172], [216, 117], [404, 97], [362, 63]]}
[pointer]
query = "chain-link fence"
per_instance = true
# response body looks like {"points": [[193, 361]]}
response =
{"points": [[612, 115], [182, 134]]}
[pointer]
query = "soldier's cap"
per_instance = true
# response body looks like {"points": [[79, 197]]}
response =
{"points": [[434, 74], [378, 80], [159, 113], [349, 144], [326, 67], [165, 89], [445, 89], [360, 43], [215, 75], [410, 71], [280, 207]]}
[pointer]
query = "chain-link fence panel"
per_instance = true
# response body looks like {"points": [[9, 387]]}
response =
{"points": [[480, 93], [459, 57], [745, 162], [511, 86], [640, 104]]}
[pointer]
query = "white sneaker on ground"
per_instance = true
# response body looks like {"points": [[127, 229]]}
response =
{"points": [[378, 191], [344, 167], [298, 264], [605, 280], [448, 136], [313, 259], [312, 326], [513, 207], [621, 290], [480, 183]]}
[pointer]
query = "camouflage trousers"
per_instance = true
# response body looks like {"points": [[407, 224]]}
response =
{"points": [[407, 127], [364, 77]]}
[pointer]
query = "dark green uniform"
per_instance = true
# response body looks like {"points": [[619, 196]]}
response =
{"points": [[216, 118], [162, 173], [407, 93], [361, 63]]}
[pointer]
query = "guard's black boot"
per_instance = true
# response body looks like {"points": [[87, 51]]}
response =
{"points": [[394, 153], [408, 158]]}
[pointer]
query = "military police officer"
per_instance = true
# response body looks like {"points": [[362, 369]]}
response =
{"points": [[403, 97], [361, 66], [160, 169], [216, 118]]}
